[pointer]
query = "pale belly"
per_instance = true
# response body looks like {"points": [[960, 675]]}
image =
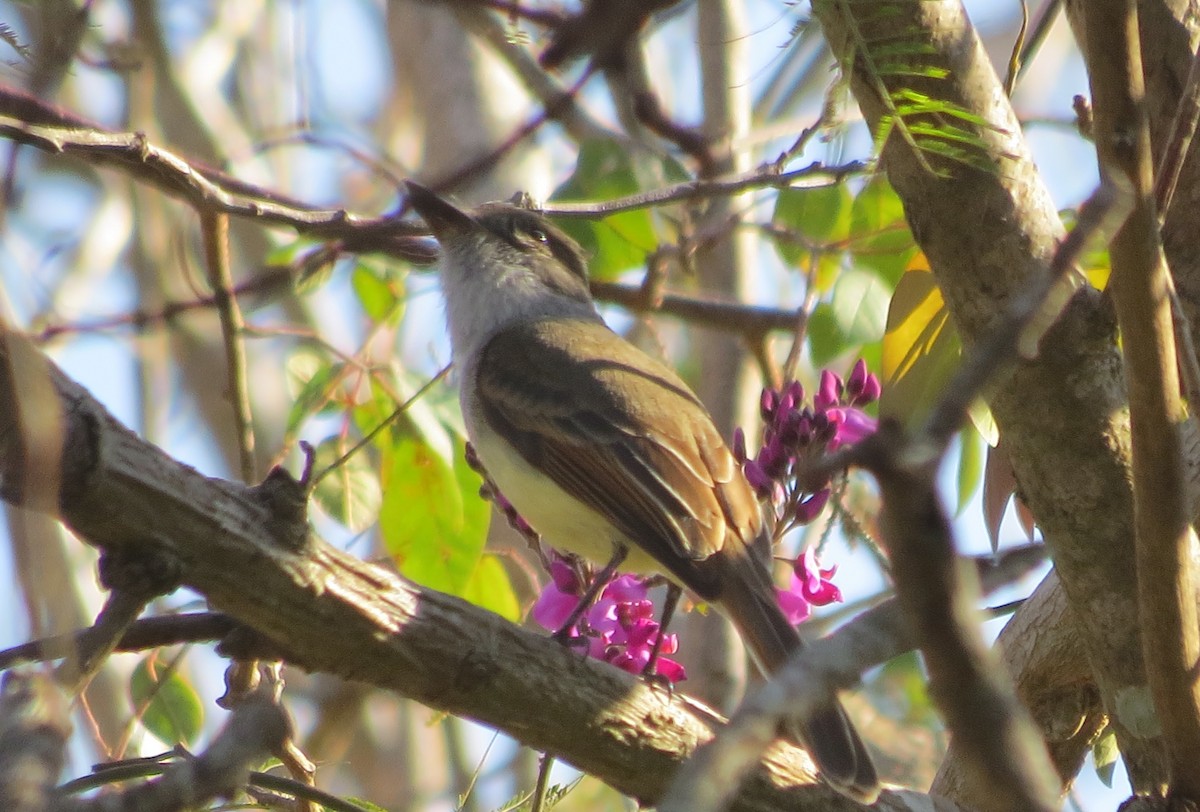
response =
{"points": [[563, 522]]}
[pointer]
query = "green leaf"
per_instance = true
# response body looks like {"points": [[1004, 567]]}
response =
{"points": [[292, 251], [172, 710], [921, 349], [860, 305], [605, 170], [376, 293], [1105, 754], [350, 494], [903, 681], [970, 465], [825, 340], [311, 382], [819, 216], [491, 588], [922, 103], [314, 268], [366, 805], [433, 522], [879, 235]]}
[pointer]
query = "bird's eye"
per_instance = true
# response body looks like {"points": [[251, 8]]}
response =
{"points": [[537, 235]]}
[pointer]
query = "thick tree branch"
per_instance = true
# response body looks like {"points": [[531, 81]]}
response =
{"points": [[1005, 758], [987, 234], [327, 611], [1171, 640]]}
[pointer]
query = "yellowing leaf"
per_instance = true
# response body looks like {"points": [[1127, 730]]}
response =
{"points": [[921, 348], [970, 465]]}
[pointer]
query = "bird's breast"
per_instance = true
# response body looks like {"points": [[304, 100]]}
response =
{"points": [[563, 521]]}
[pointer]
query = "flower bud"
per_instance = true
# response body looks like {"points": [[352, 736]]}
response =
{"points": [[854, 426], [829, 392], [811, 507], [739, 445], [796, 390], [774, 458], [787, 403], [858, 377], [758, 479], [870, 391], [822, 429], [768, 402], [789, 433], [804, 429]]}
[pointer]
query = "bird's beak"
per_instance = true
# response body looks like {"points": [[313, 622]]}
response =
{"points": [[443, 218]]}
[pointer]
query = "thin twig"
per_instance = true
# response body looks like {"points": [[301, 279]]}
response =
{"points": [[373, 433], [254, 729], [215, 228], [708, 779], [145, 633], [1183, 129], [730, 316], [538, 800], [1100, 214], [92, 646], [815, 175], [481, 165], [209, 189], [1005, 757]]}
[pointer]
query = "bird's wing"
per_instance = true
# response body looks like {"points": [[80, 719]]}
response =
{"points": [[623, 434]]}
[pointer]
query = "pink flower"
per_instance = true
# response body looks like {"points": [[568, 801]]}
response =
{"points": [[632, 642], [758, 479], [793, 604], [813, 582], [626, 588], [768, 402], [852, 426], [810, 586], [554, 606], [620, 626]]}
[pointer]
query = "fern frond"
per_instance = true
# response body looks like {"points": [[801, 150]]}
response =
{"points": [[889, 57], [9, 35]]}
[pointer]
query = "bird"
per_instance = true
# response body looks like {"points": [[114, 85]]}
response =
{"points": [[604, 449]]}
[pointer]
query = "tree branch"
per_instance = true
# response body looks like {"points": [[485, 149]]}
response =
{"points": [[1171, 637], [325, 610], [988, 235]]}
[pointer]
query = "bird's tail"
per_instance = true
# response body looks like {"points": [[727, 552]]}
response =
{"points": [[748, 598]]}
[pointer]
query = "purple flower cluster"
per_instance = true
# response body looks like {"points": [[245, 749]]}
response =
{"points": [[793, 430], [618, 628]]}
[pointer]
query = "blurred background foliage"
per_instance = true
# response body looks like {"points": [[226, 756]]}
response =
{"points": [[334, 104]]}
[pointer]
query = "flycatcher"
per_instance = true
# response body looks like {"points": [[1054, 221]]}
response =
{"points": [[603, 449]]}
